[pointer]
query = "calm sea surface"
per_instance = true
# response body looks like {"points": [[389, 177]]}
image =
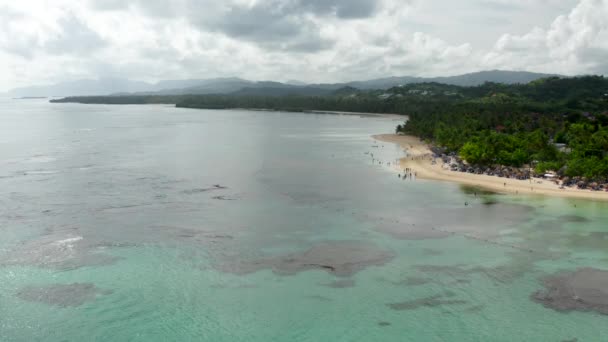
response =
{"points": [[151, 223]]}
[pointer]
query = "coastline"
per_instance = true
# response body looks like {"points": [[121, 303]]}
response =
{"points": [[419, 158], [360, 114], [320, 112]]}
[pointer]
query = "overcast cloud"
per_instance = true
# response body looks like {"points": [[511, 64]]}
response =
{"points": [[315, 40]]}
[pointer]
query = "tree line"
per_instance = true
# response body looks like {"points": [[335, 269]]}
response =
{"points": [[551, 124]]}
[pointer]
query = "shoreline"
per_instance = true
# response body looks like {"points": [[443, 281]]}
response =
{"points": [[315, 111], [419, 158], [360, 114]]}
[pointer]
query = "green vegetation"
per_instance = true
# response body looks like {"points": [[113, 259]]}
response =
{"points": [[490, 124], [520, 125]]}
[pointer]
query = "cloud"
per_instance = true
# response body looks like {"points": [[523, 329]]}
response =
{"points": [[270, 24], [310, 40], [573, 43], [13, 39], [109, 5], [345, 9], [500, 5], [26, 37], [288, 25], [73, 37]]}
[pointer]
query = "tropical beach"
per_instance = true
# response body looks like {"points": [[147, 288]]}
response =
{"points": [[291, 170], [419, 158]]}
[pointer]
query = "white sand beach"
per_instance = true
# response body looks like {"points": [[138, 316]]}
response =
{"points": [[419, 158]]}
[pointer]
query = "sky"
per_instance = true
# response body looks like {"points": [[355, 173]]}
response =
{"points": [[44, 42]]}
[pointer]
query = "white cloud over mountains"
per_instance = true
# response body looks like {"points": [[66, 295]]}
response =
{"points": [[573, 43], [314, 40]]}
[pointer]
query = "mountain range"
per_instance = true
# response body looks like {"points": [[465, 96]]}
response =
{"points": [[234, 85]]}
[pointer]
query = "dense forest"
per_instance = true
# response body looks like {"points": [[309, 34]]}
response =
{"points": [[554, 123], [551, 124]]}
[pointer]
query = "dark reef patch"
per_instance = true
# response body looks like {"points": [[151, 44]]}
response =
{"points": [[340, 284], [474, 309], [573, 219], [432, 301], [470, 221], [585, 289], [201, 190], [319, 298], [415, 281], [62, 295], [475, 190], [411, 231], [431, 252], [340, 258], [592, 240], [224, 198], [462, 273]]}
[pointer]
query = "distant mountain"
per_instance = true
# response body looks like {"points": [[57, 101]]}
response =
{"points": [[344, 91], [495, 76], [118, 86], [282, 90], [233, 85], [237, 86], [200, 87], [296, 83], [81, 88], [177, 84], [466, 80], [383, 83]]}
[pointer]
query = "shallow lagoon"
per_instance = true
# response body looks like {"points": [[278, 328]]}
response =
{"points": [[175, 224]]}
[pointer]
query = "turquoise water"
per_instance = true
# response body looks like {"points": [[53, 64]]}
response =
{"points": [[151, 223]]}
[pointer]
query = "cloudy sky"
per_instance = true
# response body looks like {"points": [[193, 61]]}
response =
{"points": [[311, 40]]}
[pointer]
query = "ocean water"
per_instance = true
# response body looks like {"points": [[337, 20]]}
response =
{"points": [[152, 223]]}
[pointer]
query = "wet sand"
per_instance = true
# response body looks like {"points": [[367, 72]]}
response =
{"points": [[419, 158]]}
